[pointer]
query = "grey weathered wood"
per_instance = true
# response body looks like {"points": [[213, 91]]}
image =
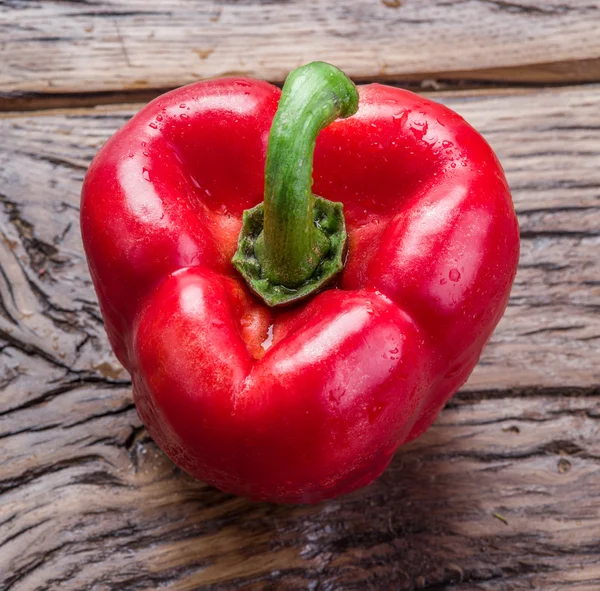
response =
{"points": [[88, 502], [546, 139], [99, 505], [66, 48]]}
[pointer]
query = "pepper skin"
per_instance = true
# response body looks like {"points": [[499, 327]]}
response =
{"points": [[308, 402]]}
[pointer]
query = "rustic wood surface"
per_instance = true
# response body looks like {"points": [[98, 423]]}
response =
{"points": [[72, 47], [501, 494]]}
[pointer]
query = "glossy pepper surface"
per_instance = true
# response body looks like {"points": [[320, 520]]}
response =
{"points": [[307, 401]]}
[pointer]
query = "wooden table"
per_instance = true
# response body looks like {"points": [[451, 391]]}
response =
{"points": [[503, 493]]}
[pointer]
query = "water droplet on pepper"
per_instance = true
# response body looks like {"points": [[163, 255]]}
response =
{"points": [[454, 275]]}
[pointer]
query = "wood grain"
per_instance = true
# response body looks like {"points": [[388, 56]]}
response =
{"points": [[501, 493], [491, 496], [53, 48]]}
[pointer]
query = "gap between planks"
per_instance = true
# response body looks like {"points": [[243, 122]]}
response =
{"points": [[95, 103], [433, 87]]}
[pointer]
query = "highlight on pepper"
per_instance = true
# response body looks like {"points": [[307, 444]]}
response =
{"points": [[297, 280]]}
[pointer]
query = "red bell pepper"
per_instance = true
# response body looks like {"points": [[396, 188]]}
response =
{"points": [[307, 401]]}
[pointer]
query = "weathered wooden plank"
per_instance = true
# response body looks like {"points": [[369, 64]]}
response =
{"points": [[547, 141], [88, 502], [56, 47], [95, 503], [548, 144]]}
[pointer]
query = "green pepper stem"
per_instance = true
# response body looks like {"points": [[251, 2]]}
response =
{"points": [[291, 245], [294, 243]]}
